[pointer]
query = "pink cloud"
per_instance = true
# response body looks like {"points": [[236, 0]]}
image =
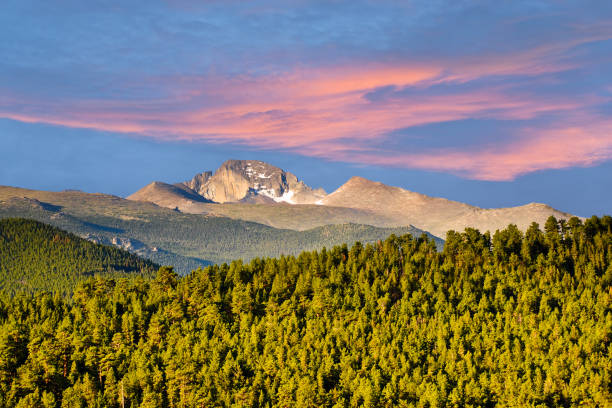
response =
{"points": [[323, 112], [541, 149], [299, 119]]}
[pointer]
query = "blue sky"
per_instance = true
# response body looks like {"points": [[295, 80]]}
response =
{"points": [[491, 103]]}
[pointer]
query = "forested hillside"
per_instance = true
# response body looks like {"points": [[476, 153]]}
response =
{"points": [[36, 256], [185, 241], [511, 320]]}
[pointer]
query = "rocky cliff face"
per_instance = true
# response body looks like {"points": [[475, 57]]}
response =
{"points": [[199, 181], [252, 181]]}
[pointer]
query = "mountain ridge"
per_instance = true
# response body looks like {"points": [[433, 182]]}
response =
{"points": [[435, 214], [252, 182]]}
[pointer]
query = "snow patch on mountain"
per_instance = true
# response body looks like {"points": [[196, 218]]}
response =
{"points": [[287, 197]]}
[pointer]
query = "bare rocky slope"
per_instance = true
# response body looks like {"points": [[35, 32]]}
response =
{"points": [[433, 214]]}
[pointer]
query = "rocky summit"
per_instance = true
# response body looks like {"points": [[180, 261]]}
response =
{"points": [[252, 181]]}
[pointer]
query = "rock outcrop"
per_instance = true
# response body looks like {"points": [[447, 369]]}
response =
{"points": [[198, 181]]}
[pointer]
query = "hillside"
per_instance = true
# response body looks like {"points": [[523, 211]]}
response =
{"points": [[433, 214], [296, 217], [173, 238], [36, 256], [509, 320], [168, 195]]}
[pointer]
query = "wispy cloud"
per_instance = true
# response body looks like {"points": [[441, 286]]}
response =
{"points": [[538, 149]]}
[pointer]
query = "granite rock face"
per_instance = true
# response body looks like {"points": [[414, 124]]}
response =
{"points": [[198, 181], [252, 181]]}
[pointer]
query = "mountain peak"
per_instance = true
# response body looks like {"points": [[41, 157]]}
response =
{"points": [[359, 186], [252, 181], [243, 165], [358, 180]]}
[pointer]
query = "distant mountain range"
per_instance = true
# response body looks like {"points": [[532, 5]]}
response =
{"points": [[186, 241], [248, 209], [239, 182]]}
